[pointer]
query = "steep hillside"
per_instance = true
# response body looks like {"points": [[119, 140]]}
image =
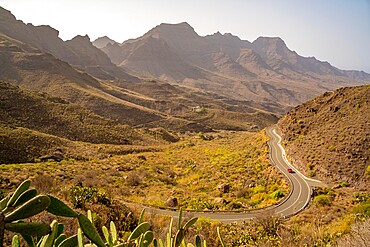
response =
{"points": [[78, 52], [328, 136], [34, 70], [55, 116], [34, 125]]}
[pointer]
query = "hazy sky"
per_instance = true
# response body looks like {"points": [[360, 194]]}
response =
{"points": [[337, 31]]}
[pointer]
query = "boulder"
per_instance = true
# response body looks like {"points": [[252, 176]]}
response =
{"points": [[172, 202], [224, 188], [219, 200]]}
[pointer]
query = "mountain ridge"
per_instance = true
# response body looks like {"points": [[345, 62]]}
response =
{"points": [[224, 64]]}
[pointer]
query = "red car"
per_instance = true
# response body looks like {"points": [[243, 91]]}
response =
{"points": [[290, 170]]}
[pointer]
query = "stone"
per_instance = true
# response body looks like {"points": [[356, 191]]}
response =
{"points": [[219, 200], [224, 188], [172, 202]]}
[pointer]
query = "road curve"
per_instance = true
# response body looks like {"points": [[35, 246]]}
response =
{"points": [[297, 199]]}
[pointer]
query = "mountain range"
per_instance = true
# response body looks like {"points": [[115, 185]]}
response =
{"points": [[170, 77], [265, 70]]}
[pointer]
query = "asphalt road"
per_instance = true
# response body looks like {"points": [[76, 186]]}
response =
{"points": [[297, 199]]}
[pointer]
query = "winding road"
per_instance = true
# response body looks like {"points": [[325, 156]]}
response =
{"points": [[297, 199]]}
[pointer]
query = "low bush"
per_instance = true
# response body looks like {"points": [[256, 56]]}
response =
{"points": [[80, 195], [322, 200]]}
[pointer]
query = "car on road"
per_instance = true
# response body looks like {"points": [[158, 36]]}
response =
{"points": [[290, 170]]}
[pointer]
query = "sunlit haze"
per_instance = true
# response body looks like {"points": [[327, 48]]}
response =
{"points": [[337, 31]]}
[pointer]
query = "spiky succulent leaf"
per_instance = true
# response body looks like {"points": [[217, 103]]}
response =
{"points": [[59, 208], [141, 218], [48, 240], [28, 209], [80, 238], [25, 196], [60, 239], [29, 240], [89, 230], [4, 202], [108, 238], [147, 238], [113, 232], [190, 223], [179, 237], [198, 241], [29, 228], [140, 229], [15, 241], [69, 242], [179, 223], [21, 188], [220, 237], [60, 229]]}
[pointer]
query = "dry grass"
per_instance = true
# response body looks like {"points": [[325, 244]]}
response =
{"points": [[189, 170]]}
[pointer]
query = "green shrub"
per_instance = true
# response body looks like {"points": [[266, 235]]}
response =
{"points": [[310, 166], [277, 194], [311, 174], [367, 171], [79, 195], [202, 136], [363, 209], [344, 184], [322, 200]]}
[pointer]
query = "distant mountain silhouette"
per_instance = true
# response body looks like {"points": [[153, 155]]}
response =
{"points": [[264, 70], [78, 52]]}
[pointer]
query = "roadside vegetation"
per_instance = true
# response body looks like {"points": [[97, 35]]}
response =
{"points": [[224, 171]]}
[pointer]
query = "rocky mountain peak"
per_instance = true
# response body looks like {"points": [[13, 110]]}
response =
{"points": [[167, 30], [270, 42], [80, 38], [103, 42], [6, 15], [46, 29]]}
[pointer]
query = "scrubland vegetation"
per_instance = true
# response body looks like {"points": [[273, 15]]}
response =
{"points": [[191, 170]]}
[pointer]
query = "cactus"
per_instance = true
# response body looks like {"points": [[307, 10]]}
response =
{"points": [[48, 240], [198, 241], [220, 237], [89, 230], [179, 238], [25, 202], [29, 228], [32, 207], [59, 208], [21, 188], [15, 241], [180, 235]]}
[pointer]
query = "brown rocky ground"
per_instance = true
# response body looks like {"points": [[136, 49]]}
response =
{"points": [[328, 136]]}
